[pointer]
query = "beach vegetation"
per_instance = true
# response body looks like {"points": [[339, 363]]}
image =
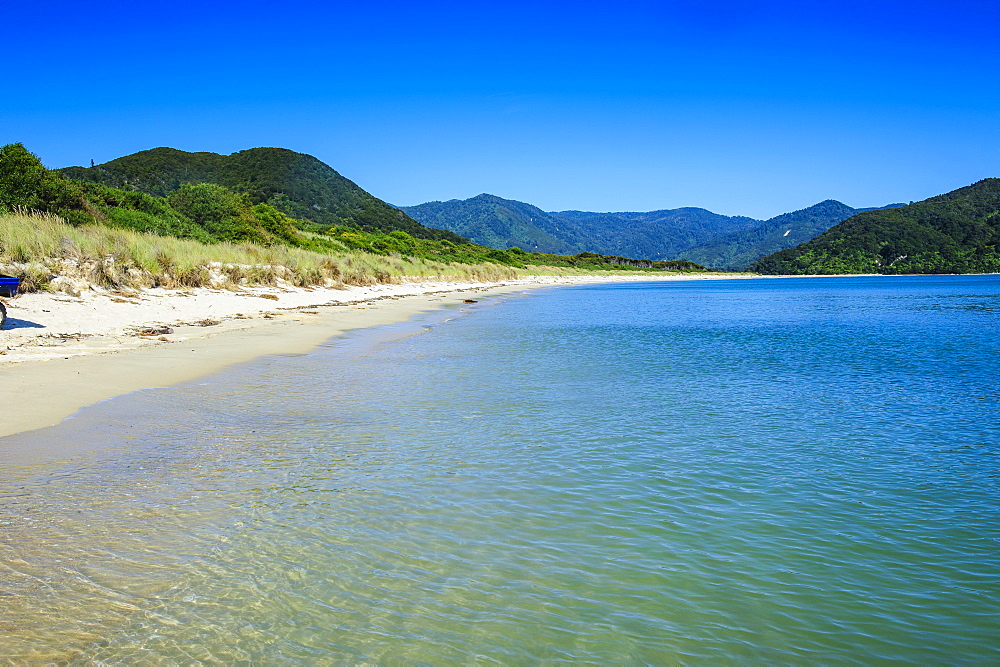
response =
{"points": [[46, 252]]}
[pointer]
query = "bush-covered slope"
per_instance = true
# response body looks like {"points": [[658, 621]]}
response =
{"points": [[664, 234], [296, 184], [735, 251], [205, 212], [957, 232]]}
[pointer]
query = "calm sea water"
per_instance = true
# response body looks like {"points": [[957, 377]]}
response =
{"points": [[751, 470]]}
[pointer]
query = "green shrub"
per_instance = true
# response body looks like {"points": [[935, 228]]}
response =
{"points": [[26, 184], [276, 223], [222, 213]]}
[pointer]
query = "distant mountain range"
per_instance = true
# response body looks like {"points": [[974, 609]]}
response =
{"points": [[195, 205], [957, 232], [663, 234], [296, 184], [737, 250], [708, 238], [501, 223]]}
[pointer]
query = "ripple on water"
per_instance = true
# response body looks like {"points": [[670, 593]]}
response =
{"points": [[801, 470]]}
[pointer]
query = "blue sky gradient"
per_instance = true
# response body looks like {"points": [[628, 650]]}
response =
{"points": [[739, 107]]}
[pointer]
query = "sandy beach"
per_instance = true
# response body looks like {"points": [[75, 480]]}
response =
{"points": [[60, 353]]}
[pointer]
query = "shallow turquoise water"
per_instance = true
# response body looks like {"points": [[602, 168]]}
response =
{"points": [[774, 470]]}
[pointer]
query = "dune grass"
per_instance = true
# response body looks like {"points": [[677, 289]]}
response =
{"points": [[47, 253]]}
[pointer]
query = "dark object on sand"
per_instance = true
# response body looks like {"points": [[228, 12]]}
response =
{"points": [[8, 288], [470, 301], [153, 331]]}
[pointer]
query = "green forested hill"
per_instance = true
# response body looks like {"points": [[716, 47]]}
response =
{"points": [[502, 223], [735, 251], [296, 184], [663, 234], [957, 232], [211, 213]]}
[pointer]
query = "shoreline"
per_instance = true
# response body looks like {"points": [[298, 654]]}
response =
{"points": [[71, 352], [60, 353]]}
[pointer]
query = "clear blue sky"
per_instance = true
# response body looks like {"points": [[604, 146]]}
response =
{"points": [[752, 108]]}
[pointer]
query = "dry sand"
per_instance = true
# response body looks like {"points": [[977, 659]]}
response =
{"points": [[62, 353]]}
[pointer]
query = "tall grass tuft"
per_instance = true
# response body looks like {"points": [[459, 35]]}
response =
{"points": [[40, 249]]}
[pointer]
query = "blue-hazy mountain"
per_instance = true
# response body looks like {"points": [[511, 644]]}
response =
{"points": [[710, 239], [737, 250], [503, 223]]}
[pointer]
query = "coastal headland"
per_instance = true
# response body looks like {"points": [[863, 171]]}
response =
{"points": [[60, 353]]}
